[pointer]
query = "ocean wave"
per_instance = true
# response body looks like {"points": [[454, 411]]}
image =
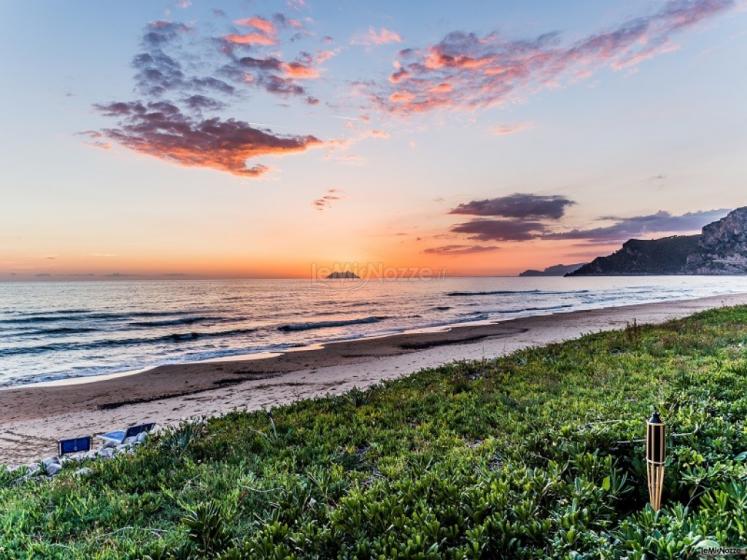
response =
{"points": [[548, 308], [119, 342], [515, 292], [59, 316], [180, 321], [52, 331], [292, 327]]}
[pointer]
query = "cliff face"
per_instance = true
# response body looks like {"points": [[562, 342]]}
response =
{"points": [[720, 249], [723, 247], [637, 256]]}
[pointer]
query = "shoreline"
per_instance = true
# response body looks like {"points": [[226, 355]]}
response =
{"points": [[33, 417]]}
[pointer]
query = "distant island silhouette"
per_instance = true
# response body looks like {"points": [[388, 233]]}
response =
{"points": [[346, 275]]}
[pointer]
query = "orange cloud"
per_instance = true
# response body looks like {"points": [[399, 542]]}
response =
{"points": [[402, 97], [443, 87], [299, 71], [250, 39], [257, 22]]}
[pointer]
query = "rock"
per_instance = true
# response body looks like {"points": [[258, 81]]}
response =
{"points": [[141, 437], [106, 452], [52, 469], [129, 440], [723, 246], [46, 463], [83, 472], [345, 275], [108, 444]]}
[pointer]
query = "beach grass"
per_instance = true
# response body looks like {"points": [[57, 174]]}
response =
{"points": [[532, 455]]}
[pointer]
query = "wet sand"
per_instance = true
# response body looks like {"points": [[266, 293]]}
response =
{"points": [[33, 417]]}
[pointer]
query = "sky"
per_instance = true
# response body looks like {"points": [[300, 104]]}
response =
{"points": [[279, 139]]}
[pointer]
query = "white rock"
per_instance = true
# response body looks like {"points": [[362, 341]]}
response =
{"points": [[85, 471], [53, 468], [109, 444], [106, 452], [141, 437], [50, 460], [131, 439]]}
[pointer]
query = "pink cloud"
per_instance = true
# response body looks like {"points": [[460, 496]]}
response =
{"points": [[376, 37], [257, 22], [508, 129], [250, 39], [482, 71], [162, 130]]}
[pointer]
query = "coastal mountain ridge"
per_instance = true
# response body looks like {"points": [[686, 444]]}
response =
{"points": [[555, 270], [721, 249]]}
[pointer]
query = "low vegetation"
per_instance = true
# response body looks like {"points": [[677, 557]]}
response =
{"points": [[527, 456]]}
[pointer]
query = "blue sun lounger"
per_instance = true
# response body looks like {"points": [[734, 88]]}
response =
{"points": [[120, 436], [73, 445]]}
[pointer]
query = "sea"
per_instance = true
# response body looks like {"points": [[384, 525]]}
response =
{"points": [[64, 330]]}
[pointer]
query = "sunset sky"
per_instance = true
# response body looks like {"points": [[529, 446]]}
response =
{"points": [[249, 138]]}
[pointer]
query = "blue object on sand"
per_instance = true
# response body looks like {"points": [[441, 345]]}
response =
{"points": [[73, 445], [119, 436]]}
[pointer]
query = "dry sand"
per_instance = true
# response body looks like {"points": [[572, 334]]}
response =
{"points": [[32, 418]]}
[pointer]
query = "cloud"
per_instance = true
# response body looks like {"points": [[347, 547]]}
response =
{"points": [[299, 71], [326, 200], [200, 103], [500, 230], [173, 119], [465, 70], [257, 22], [453, 250], [95, 139], [517, 205], [161, 130], [158, 73], [274, 75], [250, 39], [374, 37], [623, 229], [508, 129]]}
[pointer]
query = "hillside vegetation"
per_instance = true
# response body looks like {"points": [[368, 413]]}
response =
{"points": [[526, 456]]}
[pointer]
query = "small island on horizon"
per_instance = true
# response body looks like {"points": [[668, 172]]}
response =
{"points": [[345, 275]]}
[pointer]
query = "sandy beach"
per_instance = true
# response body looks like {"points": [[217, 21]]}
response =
{"points": [[32, 417]]}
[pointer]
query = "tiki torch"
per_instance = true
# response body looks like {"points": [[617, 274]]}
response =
{"points": [[655, 456]]}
